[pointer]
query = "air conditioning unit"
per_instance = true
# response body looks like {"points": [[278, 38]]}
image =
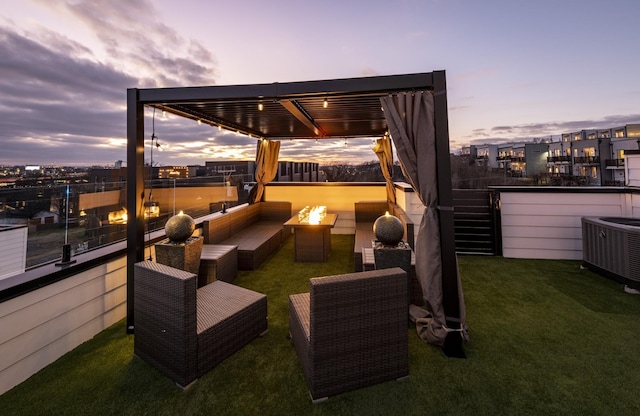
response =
{"points": [[611, 247]]}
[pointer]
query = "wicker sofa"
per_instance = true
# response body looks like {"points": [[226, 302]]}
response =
{"points": [[183, 331], [256, 229], [350, 330], [366, 212]]}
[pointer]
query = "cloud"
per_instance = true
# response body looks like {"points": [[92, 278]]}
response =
{"points": [[63, 100]]}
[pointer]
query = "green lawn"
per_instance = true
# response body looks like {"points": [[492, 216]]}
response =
{"points": [[545, 338]]}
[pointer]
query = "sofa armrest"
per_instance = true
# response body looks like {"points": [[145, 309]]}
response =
{"points": [[369, 211], [166, 320], [276, 211]]}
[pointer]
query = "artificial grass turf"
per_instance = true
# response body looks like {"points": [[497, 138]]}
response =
{"points": [[546, 338]]}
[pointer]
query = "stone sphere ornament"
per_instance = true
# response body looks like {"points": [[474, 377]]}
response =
{"points": [[179, 228], [388, 229]]}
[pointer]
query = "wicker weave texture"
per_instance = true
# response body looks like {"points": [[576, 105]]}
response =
{"points": [[357, 330], [256, 229], [184, 331], [218, 262]]}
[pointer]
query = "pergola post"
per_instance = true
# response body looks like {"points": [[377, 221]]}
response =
{"points": [[135, 193], [450, 289]]}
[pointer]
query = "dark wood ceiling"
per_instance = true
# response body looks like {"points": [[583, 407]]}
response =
{"points": [[290, 110]]}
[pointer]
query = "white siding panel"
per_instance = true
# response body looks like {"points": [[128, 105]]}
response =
{"points": [[542, 244], [57, 318], [548, 225], [22, 370], [562, 199], [13, 251], [635, 205], [543, 232], [632, 170], [586, 210]]}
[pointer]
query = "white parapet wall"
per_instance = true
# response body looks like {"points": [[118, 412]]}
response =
{"points": [[13, 249], [546, 224], [42, 325], [632, 170], [339, 198]]}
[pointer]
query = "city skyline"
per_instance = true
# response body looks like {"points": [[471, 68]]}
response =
{"points": [[515, 70]]}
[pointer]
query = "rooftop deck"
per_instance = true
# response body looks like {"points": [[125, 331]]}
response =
{"points": [[545, 338]]}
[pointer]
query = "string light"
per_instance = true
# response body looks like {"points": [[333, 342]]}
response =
{"points": [[199, 121]]}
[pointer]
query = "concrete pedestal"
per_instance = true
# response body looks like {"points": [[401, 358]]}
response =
{"points": [[183, 256], [387, 257], [392, 256]]}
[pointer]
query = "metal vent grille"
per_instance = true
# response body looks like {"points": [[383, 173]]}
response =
{"points": [[633, 242], [612, 247]]}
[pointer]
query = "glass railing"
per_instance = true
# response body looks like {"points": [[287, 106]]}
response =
{"points": [[86, 216]]}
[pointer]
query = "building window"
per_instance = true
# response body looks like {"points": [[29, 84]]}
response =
{"points": [[619, 133]]}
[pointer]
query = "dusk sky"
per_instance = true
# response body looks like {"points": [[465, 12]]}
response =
{"points": [[516, 69]]}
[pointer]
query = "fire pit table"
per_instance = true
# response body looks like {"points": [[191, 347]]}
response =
{"points": [[312, 235]]}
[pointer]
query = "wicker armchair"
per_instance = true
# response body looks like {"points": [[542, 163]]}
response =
{"points": [[183, 331], [350, 330]]}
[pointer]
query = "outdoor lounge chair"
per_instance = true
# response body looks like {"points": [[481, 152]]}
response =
{"points": [[350, 330], [183, 331]]}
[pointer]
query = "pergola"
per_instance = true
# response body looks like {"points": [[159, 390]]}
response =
{"points": [[327, 109]]}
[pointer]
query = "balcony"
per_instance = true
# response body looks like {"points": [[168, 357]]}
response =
{"points": [[615, 163], [587, 160], [559, 159]]}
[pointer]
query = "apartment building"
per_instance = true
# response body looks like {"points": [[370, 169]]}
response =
{"points": [[585, 157]]}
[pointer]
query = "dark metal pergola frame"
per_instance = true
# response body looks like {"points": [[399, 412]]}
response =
{"points": [[292, 111]]}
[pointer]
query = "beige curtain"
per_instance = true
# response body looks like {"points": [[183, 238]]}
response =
{"points": [[382, 149], [266, 168], [410, 117]]}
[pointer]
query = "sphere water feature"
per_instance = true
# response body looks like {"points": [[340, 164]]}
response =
{"points": [[179, 228], [388, 229]]}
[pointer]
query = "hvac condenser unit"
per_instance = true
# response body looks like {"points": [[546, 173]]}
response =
{"points": [[611, 246]]}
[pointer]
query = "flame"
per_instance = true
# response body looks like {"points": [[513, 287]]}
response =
{"points": [[317, 214]]}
